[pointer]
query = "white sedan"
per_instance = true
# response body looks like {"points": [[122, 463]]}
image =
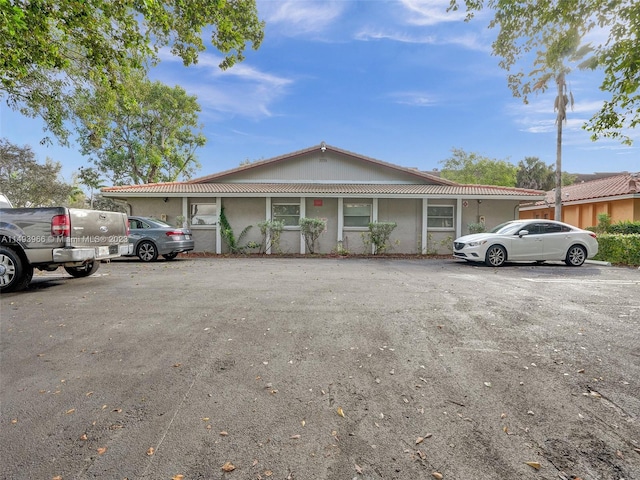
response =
{"points": [[528, 240]]}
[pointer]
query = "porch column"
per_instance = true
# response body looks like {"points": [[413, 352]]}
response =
{"points": [[374, 218], [425, 230], [303, 214], [218, 235], [458, 218], [267, 217], [340, 219]]}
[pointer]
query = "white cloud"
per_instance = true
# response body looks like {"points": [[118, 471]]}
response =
{"points": [[414, 99], [430, 12], [296, 17], [239, 90]]}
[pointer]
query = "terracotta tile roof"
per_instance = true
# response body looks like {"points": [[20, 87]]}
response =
{"points": [[614, 186], [231, 189]]}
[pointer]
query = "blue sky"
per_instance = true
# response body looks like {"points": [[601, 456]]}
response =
{"points": [[401, 81]]}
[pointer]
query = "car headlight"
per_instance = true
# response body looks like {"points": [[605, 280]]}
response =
{"points": [[477, 243]]}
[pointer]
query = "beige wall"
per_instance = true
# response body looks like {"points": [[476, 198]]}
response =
{"points": [[328, 241], [586, 214], [156, 208], [240, 213], [407, 214]]}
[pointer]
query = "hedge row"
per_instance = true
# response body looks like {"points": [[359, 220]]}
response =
{"points": [[619, 249]]}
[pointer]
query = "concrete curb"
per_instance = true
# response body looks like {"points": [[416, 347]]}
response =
{"points": [[598, 262]]}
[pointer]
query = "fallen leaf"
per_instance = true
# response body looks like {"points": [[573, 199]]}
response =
{"points": [[177, 477], [358, 469], [70, 411], [101, 450], [176, 365], [84, 436], [340, 412], [151, 451], [295, 437], [205, 419], [303, 423], [228, 467], [619, 455], [637, 450], [419, 440], [503, 415], [437, 475], [255, 462], [57, 477], [14, 420], [268, 473], [535, 465], [487, 384], [223, 433]]}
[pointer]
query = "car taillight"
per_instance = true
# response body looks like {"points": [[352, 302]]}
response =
{"points": [[592, 234], [174, 233], [61, 225]]}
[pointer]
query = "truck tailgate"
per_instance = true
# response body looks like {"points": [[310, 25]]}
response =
{"points": [[93, 228]]}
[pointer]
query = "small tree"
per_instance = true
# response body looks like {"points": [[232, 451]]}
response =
{"points": [[379, 234], [311, 228], [228, 236], [271, 231]]}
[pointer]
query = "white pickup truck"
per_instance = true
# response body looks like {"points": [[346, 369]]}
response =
{"points": [[49, 237]]}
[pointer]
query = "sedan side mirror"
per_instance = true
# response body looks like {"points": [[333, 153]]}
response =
{"points": [[521, 233]]}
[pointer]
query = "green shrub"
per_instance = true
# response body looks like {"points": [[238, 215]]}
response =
{"points": [[311, 228], [378, 236], [226, 232], [619, 249], [271, 231], [477, 227], [625, 228]]}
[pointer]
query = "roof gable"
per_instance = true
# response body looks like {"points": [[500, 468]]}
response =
{"points": [[323, 164]]}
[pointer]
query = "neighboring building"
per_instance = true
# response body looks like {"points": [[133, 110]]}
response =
{"points": [[346, 189], [617, 195]]}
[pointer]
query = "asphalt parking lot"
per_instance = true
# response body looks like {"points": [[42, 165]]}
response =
{"points": [[290, 368]]}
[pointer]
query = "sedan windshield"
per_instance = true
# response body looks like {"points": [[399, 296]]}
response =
{"points": [[508, 228]]}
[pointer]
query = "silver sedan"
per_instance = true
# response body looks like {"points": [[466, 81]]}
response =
{"points": [[528, 240], [152, 237]]}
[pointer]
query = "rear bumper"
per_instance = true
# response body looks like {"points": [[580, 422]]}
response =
{"points": [[85, 254]]}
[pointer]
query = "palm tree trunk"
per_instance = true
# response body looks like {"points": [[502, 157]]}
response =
{"points": [[561, 117]]}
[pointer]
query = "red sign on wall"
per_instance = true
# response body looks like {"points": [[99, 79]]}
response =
{"points": [[317, 202]]}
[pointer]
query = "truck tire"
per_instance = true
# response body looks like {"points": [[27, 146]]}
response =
{"points": [[15, 274], [85, 270]]}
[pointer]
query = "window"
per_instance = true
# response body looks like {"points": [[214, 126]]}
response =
{"points": [[440, 216], [289, 213], [357, 214], [204, 214]]}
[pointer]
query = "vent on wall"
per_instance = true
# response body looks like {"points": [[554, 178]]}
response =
{"points": [[323, 160]]}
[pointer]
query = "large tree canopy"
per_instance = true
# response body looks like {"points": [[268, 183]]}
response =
{"points": [[527, 28], [472, 168], [52, 47], [147, 133], [28, 183]]}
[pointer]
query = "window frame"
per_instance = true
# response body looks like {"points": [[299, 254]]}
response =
{"points": [[445, 228], [345, 205], [295, 226], [203, 225]]}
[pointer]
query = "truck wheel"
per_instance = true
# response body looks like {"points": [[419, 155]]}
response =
{"points": [[85, 270], [14, 273], [147, 251]]}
